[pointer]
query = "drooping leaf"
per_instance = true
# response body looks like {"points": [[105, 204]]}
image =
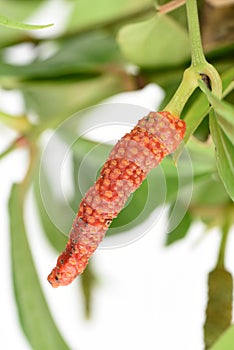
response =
{"points": [[54, 101], [209, 191], [34, 315], [195, 111], [227, 78], [224, 154], [180, 231], [227, 127], [19, 10], [85, 54], [202, 132], [210, 200], [157, 42], [57, 239], [219, 307], [224, 112], [88, 281], [85, 176], [7, 22]]}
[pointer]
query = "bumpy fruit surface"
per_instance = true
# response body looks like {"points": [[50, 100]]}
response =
{"points": [[155, 136]]}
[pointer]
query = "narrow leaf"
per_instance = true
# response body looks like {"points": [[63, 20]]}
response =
{"points": [[224, 110], [224, 155], [88, 281], [86, 54], [180, 231], [7, 22], [199, 109], [53, 234], [219, 307], [193, 119], [58, 100], [34, 315], [220, 106], [21, 10]]}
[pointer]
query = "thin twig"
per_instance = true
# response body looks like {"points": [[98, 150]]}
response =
{"points": [[19, 142], [170, 6]]}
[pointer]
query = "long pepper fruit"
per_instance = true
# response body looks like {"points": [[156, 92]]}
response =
{"points": [[135, 154]]}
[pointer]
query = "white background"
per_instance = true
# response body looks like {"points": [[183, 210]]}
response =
{"points": [[147, 296]]}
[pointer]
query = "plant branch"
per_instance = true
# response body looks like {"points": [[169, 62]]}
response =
{"points": [[170, 6], [33, 153], [199, 63], [223, 244], [187, 86], [197, 53], [199, 68], [19, 142], [20, 123]]}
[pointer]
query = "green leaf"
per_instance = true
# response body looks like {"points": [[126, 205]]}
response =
{"points": [[105, 11], [180, 231], [195, 115], [193, 118], [157, 42], [87, 54], [57, 239], [202, 132], [82, 53], [224, 110], [16, 9], [209, 191], [202, 157], [219, 306], [227, 126], [7, 22], [35, 317], [55, 101], [197, 109], [225, 341], [229, 89], [224, 155], [97, 155], [88, 281]]}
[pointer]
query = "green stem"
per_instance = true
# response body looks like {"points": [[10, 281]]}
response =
{"points": [[20, 124], [187, 86], [199, 66], [170, 6], [31, 167], [8, 150], [194, 33], [223, 244], [19, 142], [199, 63]]}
